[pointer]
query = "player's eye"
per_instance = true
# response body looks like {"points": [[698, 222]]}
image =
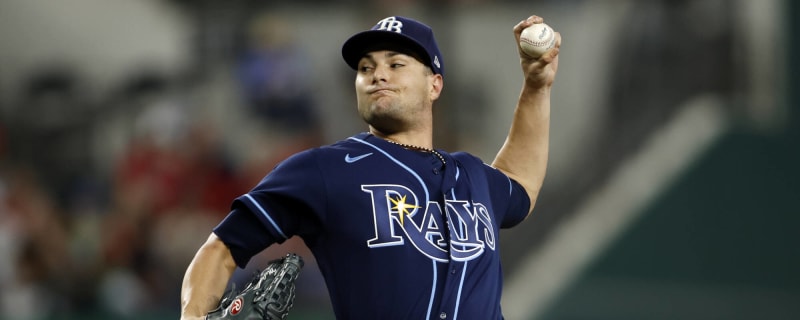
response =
{"points": [[396, 65], [364, 68]]}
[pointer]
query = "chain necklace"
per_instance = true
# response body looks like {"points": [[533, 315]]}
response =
{"points": [[412, 147]]}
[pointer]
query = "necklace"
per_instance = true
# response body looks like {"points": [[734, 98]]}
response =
{"points": [[412, 147]]}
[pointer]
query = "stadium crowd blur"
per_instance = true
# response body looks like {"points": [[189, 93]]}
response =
{"points": [[87, 238], [113, 240]]}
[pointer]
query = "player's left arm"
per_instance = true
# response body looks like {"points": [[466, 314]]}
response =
{"points": [[523, 156]]}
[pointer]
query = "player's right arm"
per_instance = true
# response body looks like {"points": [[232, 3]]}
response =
{"points": [[206, 278], [524, 154]]}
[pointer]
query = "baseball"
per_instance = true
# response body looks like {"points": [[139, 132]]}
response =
{"points": [[537, 39]]}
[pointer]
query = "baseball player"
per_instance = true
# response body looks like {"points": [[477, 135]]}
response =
{"points": [[400, 230]]}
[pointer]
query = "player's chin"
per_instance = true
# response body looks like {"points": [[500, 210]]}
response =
{"points": [[383, 123]]}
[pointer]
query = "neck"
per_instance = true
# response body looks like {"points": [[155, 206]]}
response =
{"points": [[418, 148]]}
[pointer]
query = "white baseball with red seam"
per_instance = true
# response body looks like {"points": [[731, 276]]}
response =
{"points": [[537, 39]]}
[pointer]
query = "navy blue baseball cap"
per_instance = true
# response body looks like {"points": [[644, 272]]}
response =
{"points": [[395, 33]]}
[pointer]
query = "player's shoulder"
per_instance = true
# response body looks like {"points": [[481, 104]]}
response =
{"points": [[324, 153], [468, 159], [353, 143], [472, 163]]}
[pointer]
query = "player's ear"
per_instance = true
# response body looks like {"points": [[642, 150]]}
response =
{"points": [[437, 82]]}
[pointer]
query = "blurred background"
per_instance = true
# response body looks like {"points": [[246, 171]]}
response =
{"points": [[127, 127]]}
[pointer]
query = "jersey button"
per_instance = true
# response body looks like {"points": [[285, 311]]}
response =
{"points": [[435, 170], [443, 315]]}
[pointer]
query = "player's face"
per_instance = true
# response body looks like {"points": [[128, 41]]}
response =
{"points": [[395, 91]]}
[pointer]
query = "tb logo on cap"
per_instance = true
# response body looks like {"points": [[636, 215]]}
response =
{"points": [[390, 24]]}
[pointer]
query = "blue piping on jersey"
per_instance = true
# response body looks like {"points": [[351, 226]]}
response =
{"points": [[402, 165], [460, 288], [266, 215], [464, 269], [433, 290]]}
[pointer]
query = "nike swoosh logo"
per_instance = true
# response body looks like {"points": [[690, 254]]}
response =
{"points": [[349, 159]]}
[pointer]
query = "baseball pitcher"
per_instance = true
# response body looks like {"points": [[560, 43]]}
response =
{"points": [[399, 228]]}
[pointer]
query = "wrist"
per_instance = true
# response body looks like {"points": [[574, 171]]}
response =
{"points": [[536, 89]]}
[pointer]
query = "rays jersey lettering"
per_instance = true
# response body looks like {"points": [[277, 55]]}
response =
{"points": [[398, 217]]}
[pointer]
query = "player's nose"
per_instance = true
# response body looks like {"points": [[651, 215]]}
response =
{"points": [[381, 73]]}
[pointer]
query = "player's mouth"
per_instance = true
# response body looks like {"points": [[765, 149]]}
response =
{"points": [[380, 91]]}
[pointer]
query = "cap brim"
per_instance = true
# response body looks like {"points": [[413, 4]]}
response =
{"points": [[357, 46]]}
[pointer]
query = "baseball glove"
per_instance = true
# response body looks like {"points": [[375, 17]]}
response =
{"points": [[269, 296]]}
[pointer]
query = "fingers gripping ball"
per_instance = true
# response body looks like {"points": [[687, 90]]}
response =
{"points": [[537, 39], [269, 296]]}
